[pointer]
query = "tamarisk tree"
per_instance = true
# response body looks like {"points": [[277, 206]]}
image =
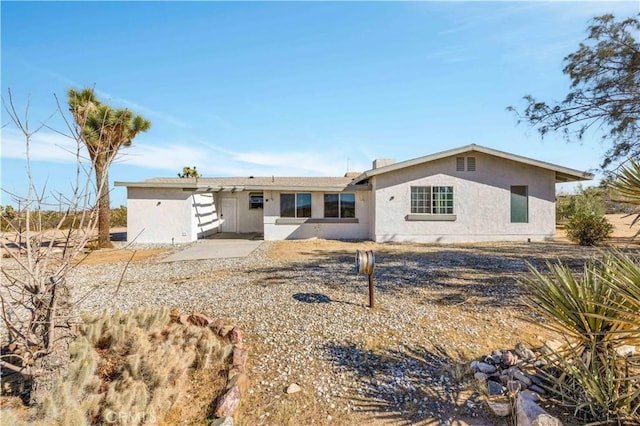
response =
{"points": [[604, 92]]}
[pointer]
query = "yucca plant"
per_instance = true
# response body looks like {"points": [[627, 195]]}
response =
{"points": [[596, 312]]}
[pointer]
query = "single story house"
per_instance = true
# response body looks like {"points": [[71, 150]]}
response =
{"points": [[466, 194]]}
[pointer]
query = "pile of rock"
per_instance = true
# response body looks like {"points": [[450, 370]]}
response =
{"points": [[237, 380], [513, 388]]}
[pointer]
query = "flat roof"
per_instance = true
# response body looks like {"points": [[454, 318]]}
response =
{"points": [[262, 183]]}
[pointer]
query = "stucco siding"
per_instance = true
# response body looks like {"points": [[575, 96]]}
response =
{"points": [[319, 229], [481, 210], [159, 215], [205, 217]]}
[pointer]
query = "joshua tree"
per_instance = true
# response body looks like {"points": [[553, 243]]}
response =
{"points": [[189, 172], [104, 130]]}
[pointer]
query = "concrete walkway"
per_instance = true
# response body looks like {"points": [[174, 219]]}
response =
{"points": [[215, 249]]}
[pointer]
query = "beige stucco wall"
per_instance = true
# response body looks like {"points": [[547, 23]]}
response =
{"points": [[249, 220], [345, 231], [481, 202], [204, 216], [159, 215]]}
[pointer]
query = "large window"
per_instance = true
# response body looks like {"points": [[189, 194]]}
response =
{"points": [[519, 204], [432, 199], [295, 205], [340, 205]]}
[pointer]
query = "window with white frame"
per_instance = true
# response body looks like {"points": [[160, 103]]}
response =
{"points": [[432, 199], [256, 200], [340, 205], [295, 205]]}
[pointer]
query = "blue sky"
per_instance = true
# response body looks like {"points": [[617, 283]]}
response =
{"points": [[290, 89]]}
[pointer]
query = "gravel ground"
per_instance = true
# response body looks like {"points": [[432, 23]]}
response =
{"points": [[306, 322]]}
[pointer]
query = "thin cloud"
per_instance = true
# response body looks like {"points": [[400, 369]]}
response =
{"points": [[169, 119], [44, 146]]}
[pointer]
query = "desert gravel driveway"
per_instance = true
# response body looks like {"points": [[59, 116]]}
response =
{"points": [[304, 313]]}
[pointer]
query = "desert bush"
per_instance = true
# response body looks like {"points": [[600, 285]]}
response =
{"points": [[589, 200], [118, 216], [588, 229], [597, 312]]}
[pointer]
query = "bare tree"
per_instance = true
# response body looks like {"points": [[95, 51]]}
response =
{"points": [[35, 296]]}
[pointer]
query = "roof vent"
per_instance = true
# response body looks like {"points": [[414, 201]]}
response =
{"points": [[381, 162]]}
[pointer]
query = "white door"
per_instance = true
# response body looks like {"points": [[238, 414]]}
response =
{"points": [[228, 214]]}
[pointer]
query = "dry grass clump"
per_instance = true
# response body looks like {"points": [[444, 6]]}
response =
{"points": [[129, 369]]}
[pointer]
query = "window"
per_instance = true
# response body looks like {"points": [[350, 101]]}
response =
{"points": [[295, 205], [340, 205], [459, 164], [432, 199], [519, 204], [256, 200]]}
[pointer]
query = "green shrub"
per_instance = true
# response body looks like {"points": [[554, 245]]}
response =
{"points": [[118, 216], [588, 229]]}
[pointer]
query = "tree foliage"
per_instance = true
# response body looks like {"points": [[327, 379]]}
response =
{"points": [[189, 172], [604, 92], [104, 130]]}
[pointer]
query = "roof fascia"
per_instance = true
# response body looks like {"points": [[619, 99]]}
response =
{"points": [[563, 174]]}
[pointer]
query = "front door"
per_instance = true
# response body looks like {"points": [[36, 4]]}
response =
{"points": [[228, 214]]}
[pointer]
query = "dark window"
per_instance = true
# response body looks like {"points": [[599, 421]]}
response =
{"points": [[288, 205], [256, 201], [303, 205], [339, 205], [331, 205], [432, 199], [347, 205], [295, 205], [459, 164], [519, 204]]}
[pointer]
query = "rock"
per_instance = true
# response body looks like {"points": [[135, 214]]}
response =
{"points": [[514, 386], [500, 409], [481, 377], [537, 389], [626, 350], [529, 413], [509, 359], [521, 377], [525, 353], [494, 388], [483, 367], [240, 356], [236, 335], [223, 421], [504, 379], [293, 388], [496, 357], [199, 319], [229, 402], [241, 381], [534, 379], [553, 346], [234, 371]]}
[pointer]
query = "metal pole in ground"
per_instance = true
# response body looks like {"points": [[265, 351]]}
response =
{"points": [[371, 301]]}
